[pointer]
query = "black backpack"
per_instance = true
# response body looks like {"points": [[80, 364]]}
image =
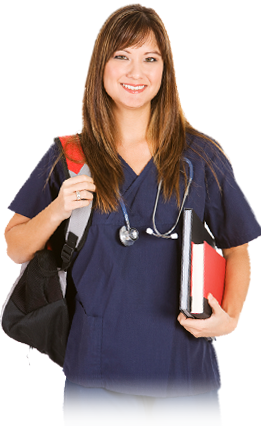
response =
{"points": [[36, 311]]}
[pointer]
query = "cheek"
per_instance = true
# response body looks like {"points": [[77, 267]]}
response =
{"points": [[111, 75], [107, 77], [110, 80], [161, 73], [111, 83], [157, 78]]}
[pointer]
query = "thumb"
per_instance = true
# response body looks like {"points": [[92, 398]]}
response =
{"points": [[213, 302]]}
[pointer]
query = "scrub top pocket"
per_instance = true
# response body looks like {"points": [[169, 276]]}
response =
{"points": [[85, 340]]}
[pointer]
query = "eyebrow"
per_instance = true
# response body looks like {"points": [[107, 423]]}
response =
{"points": [[147, 53]]}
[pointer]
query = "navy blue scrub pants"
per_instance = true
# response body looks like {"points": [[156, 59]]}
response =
{"points": [[96, 406]]}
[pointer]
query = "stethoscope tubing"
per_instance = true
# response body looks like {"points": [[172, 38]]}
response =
{"points": [[168, 233], [127, 234], [124, 210]]}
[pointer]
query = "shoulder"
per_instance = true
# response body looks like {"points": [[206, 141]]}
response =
{"points": [[207, 153], [42, 185], [204, 144], [52, 165]]}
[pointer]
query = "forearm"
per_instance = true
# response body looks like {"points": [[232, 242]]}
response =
{"points": [[236, 281], [25, 239]]}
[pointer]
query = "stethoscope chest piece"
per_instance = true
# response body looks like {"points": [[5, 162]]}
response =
{"points": [[128, 235]]}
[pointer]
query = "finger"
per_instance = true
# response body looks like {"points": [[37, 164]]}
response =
{"points": [[181, 317], [197, 330], [84, 188], [84, 195], [80, 203], [78, 179], [183, 320], [191, 328], [192, 323], [88, 186], [213, 303]]}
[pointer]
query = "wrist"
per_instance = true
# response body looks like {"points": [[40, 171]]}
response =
{"points": [[56, 214]]}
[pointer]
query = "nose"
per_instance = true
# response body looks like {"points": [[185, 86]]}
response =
{"points": [[135, 70]]}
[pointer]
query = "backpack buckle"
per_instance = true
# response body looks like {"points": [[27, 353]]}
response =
{"points": [[68, 249]]}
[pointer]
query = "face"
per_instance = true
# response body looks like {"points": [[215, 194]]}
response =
{"points": [[132, 76]]}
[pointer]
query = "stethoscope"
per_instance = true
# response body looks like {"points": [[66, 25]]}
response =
{"points": [[128, 236]]}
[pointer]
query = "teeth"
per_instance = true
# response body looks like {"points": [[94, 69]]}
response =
{"points": [[133, 88]]}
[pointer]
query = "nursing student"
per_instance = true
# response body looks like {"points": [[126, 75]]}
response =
{"points": [[130, 349]]}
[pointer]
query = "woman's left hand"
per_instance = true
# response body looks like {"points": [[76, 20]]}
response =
{"points": [[218, 324]]}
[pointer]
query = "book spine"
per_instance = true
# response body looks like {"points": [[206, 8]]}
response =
{"points": [[197, 278], [186, 264]]}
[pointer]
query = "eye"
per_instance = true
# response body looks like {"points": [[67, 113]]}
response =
{"points": [[151, 59], [123, 57]]}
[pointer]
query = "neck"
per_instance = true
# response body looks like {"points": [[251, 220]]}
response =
{"points": [[131, 126]]}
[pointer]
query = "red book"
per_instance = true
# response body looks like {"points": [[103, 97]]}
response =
{"points": [[207, 276]]}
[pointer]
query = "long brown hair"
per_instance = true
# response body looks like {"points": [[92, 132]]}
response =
{"points": [[130, 26]]}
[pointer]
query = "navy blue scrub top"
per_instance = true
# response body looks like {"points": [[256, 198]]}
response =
{"points": [[125, 336]]}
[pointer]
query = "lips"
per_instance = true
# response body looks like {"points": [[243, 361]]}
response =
{"points": [[133, 88], [134, 85]]}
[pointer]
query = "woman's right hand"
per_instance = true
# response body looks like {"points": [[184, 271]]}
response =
{"points": [[25, 236], [67, 200]]}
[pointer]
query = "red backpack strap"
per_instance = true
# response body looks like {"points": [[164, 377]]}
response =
{"points": [[73, 152]]}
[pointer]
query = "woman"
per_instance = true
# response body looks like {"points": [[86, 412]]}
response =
{"points": [[125, 343]]}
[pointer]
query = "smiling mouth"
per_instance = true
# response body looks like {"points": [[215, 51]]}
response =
{"points": [[133, 89]]}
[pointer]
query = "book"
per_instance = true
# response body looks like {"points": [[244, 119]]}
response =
{"points": [[202, 268]]}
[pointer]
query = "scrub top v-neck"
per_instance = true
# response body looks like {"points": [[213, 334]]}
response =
{"points": [[125, 336]]}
